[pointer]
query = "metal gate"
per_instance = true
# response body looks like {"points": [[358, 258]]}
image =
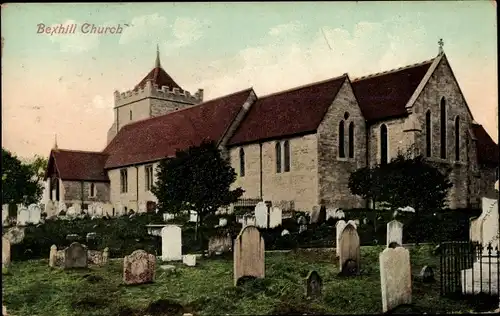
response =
{"points": [[455, 256]]}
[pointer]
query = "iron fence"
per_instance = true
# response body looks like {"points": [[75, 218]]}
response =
{"points": [[469, 268]]}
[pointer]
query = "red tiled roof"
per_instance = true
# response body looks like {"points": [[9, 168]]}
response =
{"points": [[287, 113], [385, 95], [77, 165], [160, 78], [159, 137], [487, 149]]}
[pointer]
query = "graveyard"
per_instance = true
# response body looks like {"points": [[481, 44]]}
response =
{"points": [[32, 288]]}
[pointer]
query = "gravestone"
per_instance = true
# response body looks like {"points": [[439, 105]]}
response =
{"points": [[302, 220], [349, 256], [339, 214], [35, 214], [142, 207], [167, 217], [189, 260], [330, 213], [171, 243], [5, 252], [249, 257], [394, 232], [220, 244], [353, 223], [395, 277], [139, 268], [474, 230], [53, 256], [23, 216], [222, 222], [5, 213], [105, 255], [72, 212], [275, 217], [427, 274], [314, 285], [75, 256], [339, 228], [285, 232], [302, 228], [193, 216], [260, 215], [315, 214], [50, 209]]}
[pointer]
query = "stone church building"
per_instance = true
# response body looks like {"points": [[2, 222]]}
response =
{"points": [[295, 147]]}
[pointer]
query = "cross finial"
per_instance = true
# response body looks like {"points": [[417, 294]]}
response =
{"points": [[441, 43], [157, 63]]}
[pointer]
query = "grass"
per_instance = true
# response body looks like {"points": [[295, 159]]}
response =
{"points": [[32, 288]]}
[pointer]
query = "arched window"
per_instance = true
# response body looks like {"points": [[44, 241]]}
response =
{"points": [[351, 140], [286, 147], [443, 128], [242, 162], [130, 115], [278, 157], [428, 134], [383, 145], [457, 138], [341, 140], [92, 190]]}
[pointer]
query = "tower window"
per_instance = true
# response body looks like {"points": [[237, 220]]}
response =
{"points": [[341, 140]]}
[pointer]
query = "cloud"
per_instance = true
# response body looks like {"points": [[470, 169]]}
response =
{"points": [[147, 28], [76, 42], [284, 29], [186, 31]]}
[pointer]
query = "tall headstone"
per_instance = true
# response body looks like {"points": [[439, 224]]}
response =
{"points": [[5, 252], [139, 268], [394, 232], [249, 257], [220, 244], [171, 243], [315, 214], [339, 228], [35, 214], [313, 285], [23, 216], [349, 256], [53, 256], [261, 214], [395, 277], [275, 217], [75, 256]]}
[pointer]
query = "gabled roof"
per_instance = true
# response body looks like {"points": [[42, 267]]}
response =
{"points": [[487, 149], [160, 137], [385, 95], [159, 77], [291, 112], [77, 165]]}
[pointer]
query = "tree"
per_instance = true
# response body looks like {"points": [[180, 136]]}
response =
{"points": [[407, 180], [196, 179], [19, 181], [38, 167]]}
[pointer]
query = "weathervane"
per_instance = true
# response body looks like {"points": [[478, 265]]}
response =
{"points": [[441, 43]]}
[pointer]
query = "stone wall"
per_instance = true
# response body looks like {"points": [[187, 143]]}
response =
{"points": [[300, 184], [397, 140], [73, 192], [334, 171]]}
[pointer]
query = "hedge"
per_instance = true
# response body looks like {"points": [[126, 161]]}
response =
{"points": [[123, 235]]}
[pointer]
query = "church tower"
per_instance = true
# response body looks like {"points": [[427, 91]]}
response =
{"points": [[156, 94]]}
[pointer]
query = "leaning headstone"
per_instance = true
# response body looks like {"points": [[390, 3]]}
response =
{"points": [[249, 258], [339, 228], [139, 268], [23, 216], [275, 217], [171, 243], [5, 252], [394, 232], [313, 285], [53, 256], [189, 260], [349, 256], [427, 274], [395, 278], [261, 213], [75, 256]]}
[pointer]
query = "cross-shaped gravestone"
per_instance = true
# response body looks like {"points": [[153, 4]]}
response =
{"points": [[313, 285]]}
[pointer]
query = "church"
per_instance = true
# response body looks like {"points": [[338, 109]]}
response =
{"points": [[295, 148]]}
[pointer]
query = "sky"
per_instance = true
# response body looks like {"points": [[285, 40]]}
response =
{"points": [[63, 84]]}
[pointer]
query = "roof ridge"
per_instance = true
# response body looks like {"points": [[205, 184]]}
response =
{"points": [[393, 70], [81, 151], [185, 109], [345, 75]]}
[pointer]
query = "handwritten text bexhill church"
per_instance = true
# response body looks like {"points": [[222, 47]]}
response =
{"points": [[85, 28]]}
